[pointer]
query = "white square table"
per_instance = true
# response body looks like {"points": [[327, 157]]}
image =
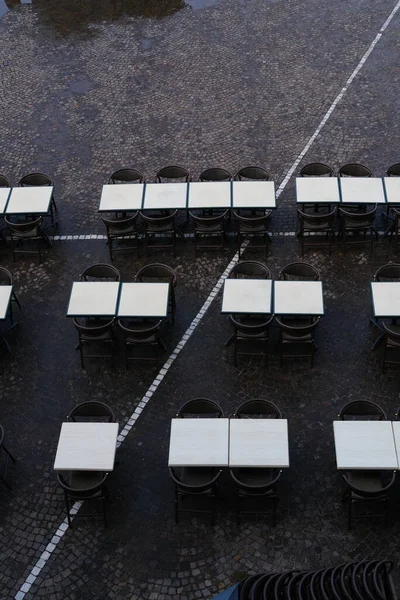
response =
{"points": [[93, 299], [5, 298], [396, 435], [86, 447], [29, 200], [362, 190], [143, 300], [4, 195], [121, 197], [392, 188], [365, 445], [209, 194], [258, 443], [317, 190], [386, 298], [253, 194], [199, 443], [298, 298], [247, 296], [165, 196]]}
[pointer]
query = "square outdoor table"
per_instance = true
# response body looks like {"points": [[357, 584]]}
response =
{"points": [[165, 196], [143, 300], [317, 190], [5, 298], [392, 188], [362, 190], [364, 445], [93, 299], [258, 443], [121, 197], [86, 447], [30, 200], [247, 296], [212, 194], [298, 298], [396, 435], [199, 443], [4, 195], [253, 194], [386, 298]]}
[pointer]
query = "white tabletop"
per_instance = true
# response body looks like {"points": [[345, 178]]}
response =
{"points": [[364, 445], [5, 295], [392, 187], [86, 447], [396, 435], [248, 296], [298, 298], [317, 190], [4, 194], [93, 298], [165, 195], [121, 197], [199, 443], [143, 300], [386, 298], [258, 443], [253, 194], [32, 200], [362, 190], [209, 194]]}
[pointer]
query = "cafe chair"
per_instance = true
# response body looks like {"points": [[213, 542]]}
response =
{"points": [[250, 332], [367, 487], [198, 484], [299, 271], [7, 279], [316, 169], [391, 349], [316, 229], [252, 174], [4, 182], [7, 457], [122, 230], [28, 231], [253, 227], [394, 170], [395, 226], [200, 407], [209, 231], [255, 485], [162, 227], [250, 269], [158, 272], [354, 170], [37, 180], [257, 408], [172, 173], [297, 338], [126, 176], [358, 410], [141, 335], [215, 174], [91, 411], [84, 485], [100, 272], [356, 226], [93, 334], [388, 272]]}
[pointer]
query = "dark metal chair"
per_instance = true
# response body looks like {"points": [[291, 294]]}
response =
{"points": [[200, 407], [354, 170], [126, 176], [316, 169], [101, 272], [172, 172], [368, 487], [4, 182], [388, 272], [256, 484], [91, 411], [252, 173], [391, 344], [7, 279], [316, 229], [84, 485], [8, 456], [257, 408], [122, 229], [197, 483], [25, 232], [141, 334], [252, 227], [40, 179], [394, 170], [207, 229], [358, 223], [215, 174], [297, 334], [394, 228], [359, 409], [251, 331], [159, 272], [161, 226], [93, 333], [299, 271], [250, 269]]}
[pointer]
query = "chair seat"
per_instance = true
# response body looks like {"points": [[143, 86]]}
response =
{"points": [[26, 234], [196, 475], [253, 229], [130, 339], [218, 228], [96, 338], [252, 336], [255, 477], [126, 231], [82, 480], [365, 481], [287, 337], [160, 228], [359, 225], [316, 227]]}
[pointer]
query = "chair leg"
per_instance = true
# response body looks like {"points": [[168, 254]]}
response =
{"points": [[104, 502], [349, 514], [80, 346], [68, 509], [4, 480], [176, 505], [9, 453], [15, 297]]}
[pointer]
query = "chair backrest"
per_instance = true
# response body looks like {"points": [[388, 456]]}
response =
{"points": [[361, 408], [391, 334], [394, 170], [258, 407], [120, 224], [35, 179], [5, 277], [354, 170], [250, 269], [126, 176], [4, 182], [298, 331], [100, 271], [299, 271], [95, 331], [321, 220], [24, 227], [257, 173], [208, 222], [389, 272], [195, 488], [200, 407], [316, 170], [81, 492], [215, 174], [172, 172], [157, 271], [362, 217], [375, 493], [159, 222], [91, 411], [141, 331], [271, 478], [250, 222], [250, 330]]}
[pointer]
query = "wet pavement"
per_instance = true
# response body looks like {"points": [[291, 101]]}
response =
{"points": [[229, 83]]}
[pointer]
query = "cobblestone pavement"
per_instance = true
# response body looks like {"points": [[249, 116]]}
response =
{"points": [[201, 83]]}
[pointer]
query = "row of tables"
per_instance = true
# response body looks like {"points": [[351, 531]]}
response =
{"points": [[348, 190], [32, 200], [367, 444]]}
